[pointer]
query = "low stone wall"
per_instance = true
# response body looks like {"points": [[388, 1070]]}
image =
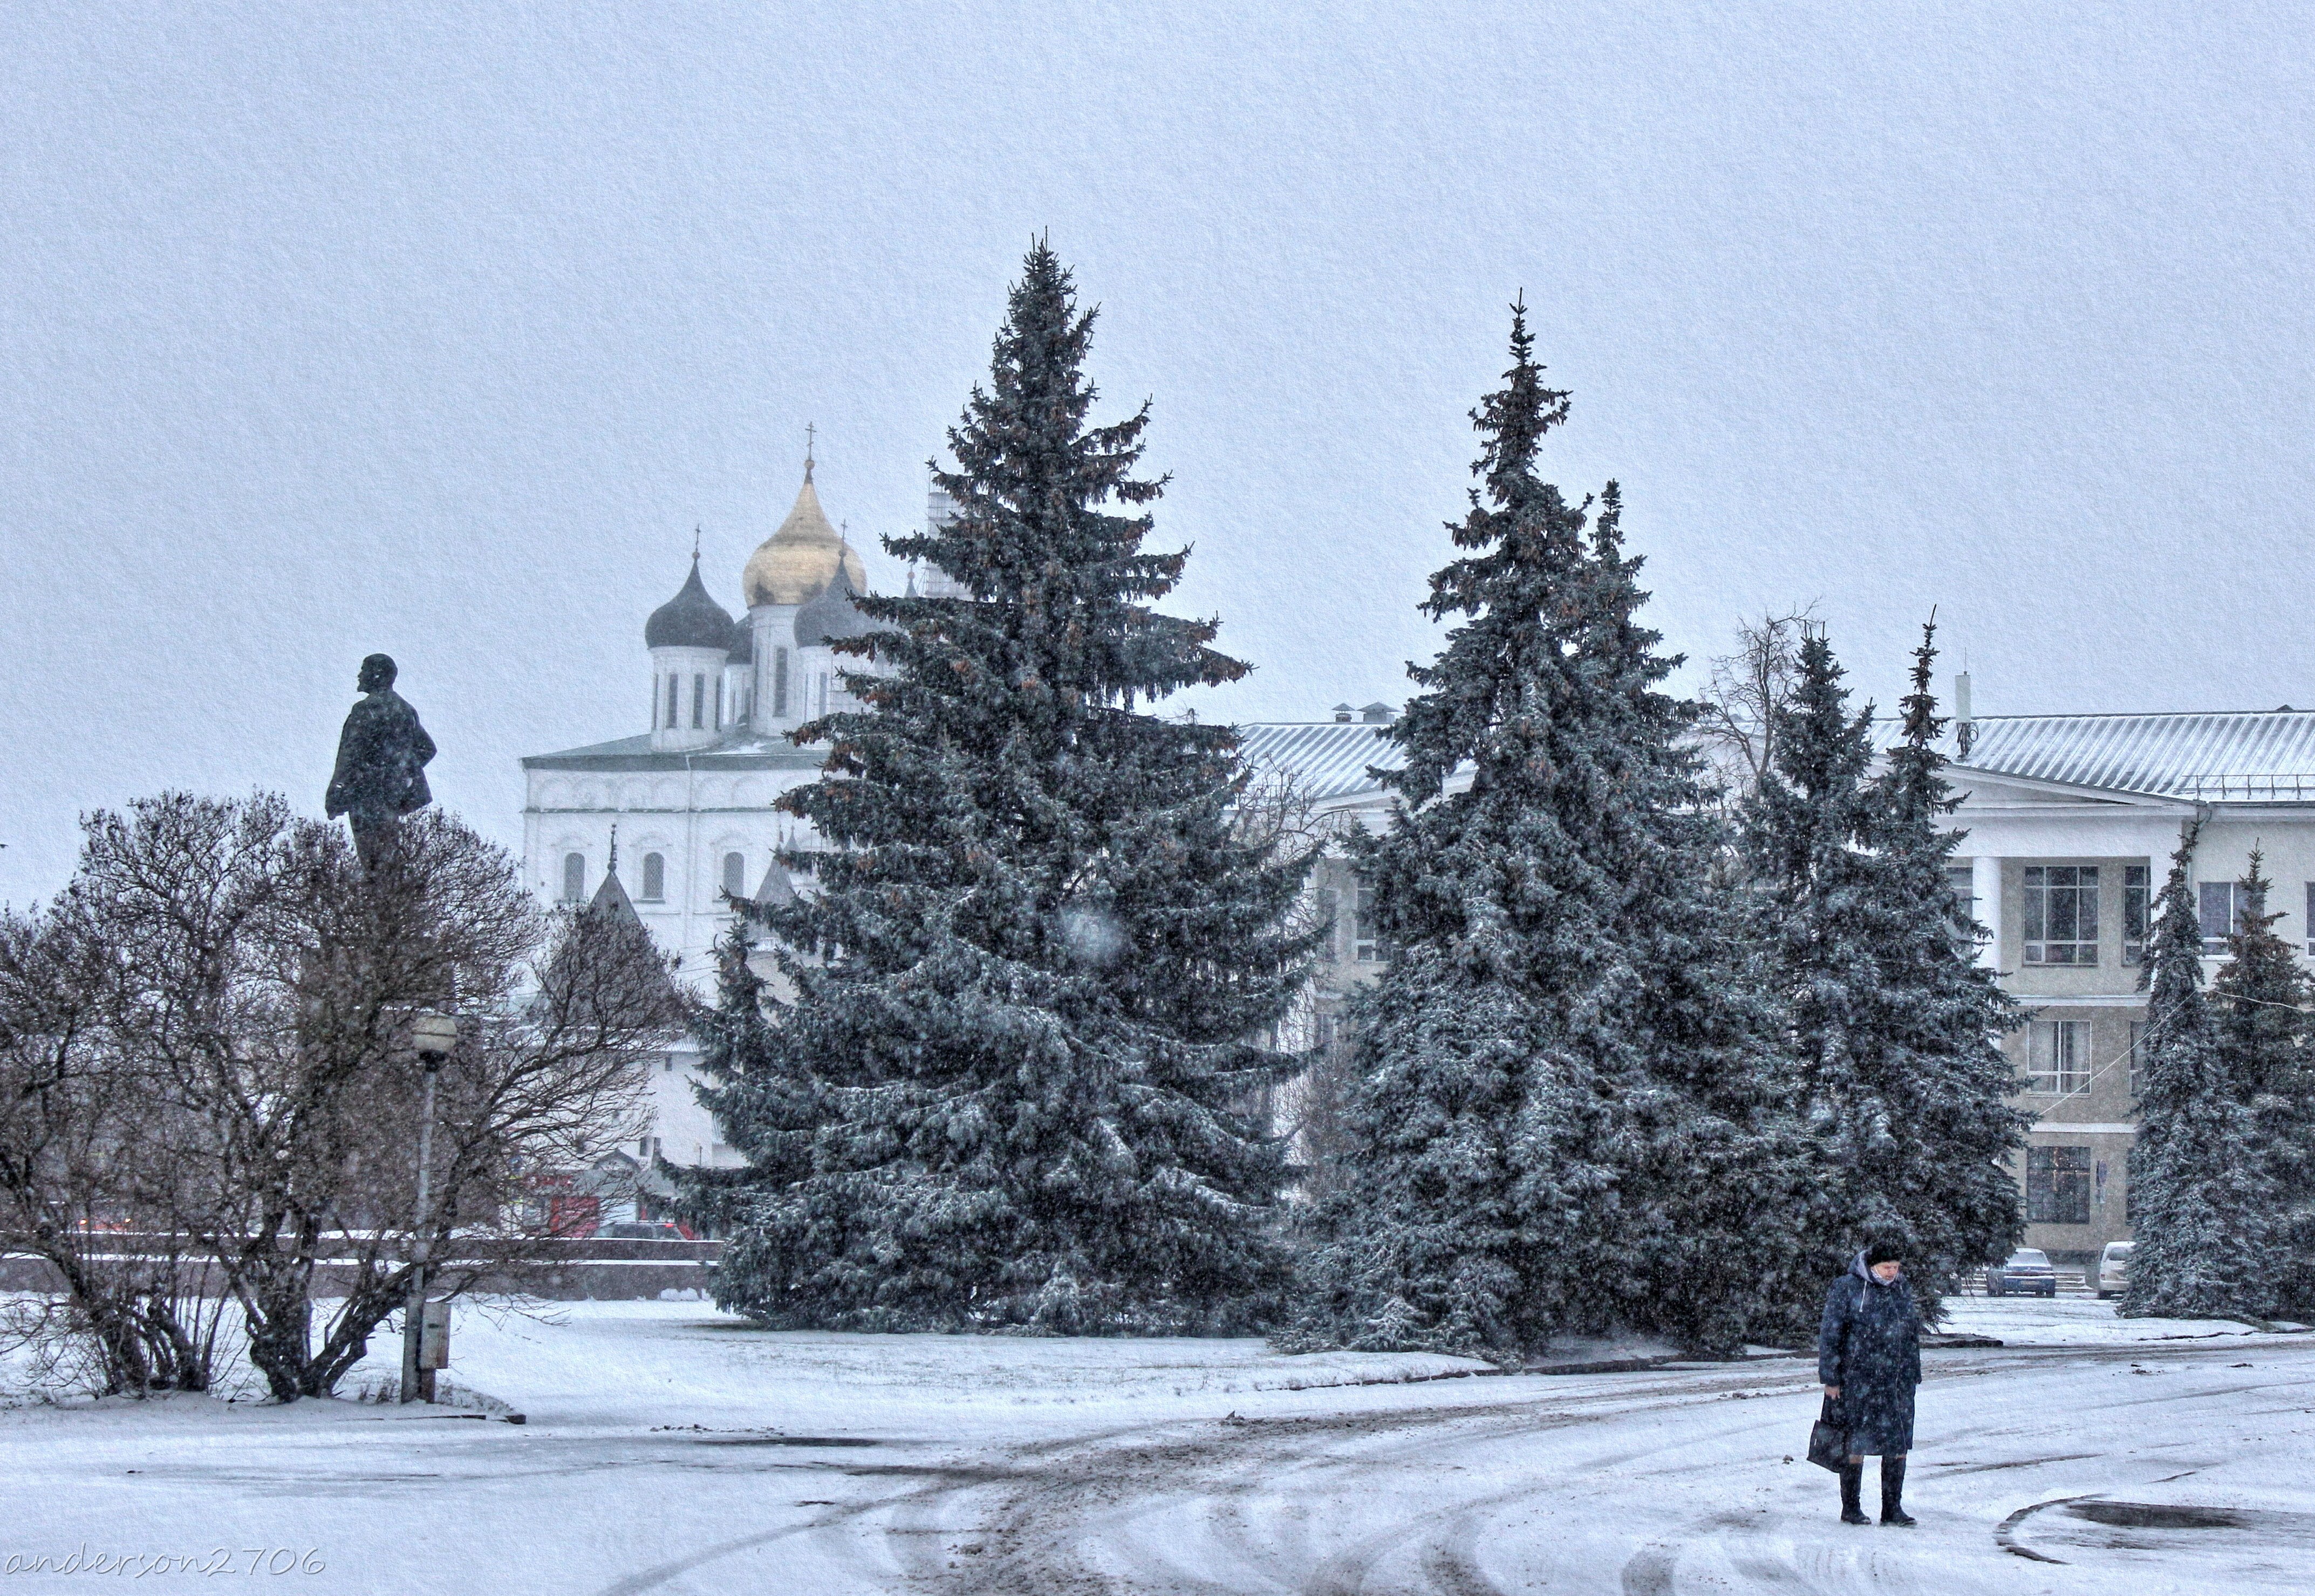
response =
{"points": [[567, 1271]]}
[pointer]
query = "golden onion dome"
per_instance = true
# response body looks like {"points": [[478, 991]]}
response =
{"points": [[802, 557]]}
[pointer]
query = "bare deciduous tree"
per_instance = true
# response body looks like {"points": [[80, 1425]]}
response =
{"points": [[258, 989], [1734, 715], [1278, 809], [130, 1315]]}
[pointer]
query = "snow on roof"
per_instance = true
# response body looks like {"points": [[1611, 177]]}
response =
{"points": [[1327, 760], [2260, 756]]}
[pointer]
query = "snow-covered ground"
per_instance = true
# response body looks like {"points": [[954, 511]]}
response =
{"points": [[670, 1449], [2074, 1321]]}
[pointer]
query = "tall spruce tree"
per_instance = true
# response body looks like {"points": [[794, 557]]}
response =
{"points": [[1025, 989], [1566, 1116], [1893, 1027], [2197, 1187], [2262, 1001]]}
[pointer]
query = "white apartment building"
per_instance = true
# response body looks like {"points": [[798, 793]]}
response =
{"points": [[2070, 822]]}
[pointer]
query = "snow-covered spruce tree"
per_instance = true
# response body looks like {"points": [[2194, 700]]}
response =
{"points": [[1025, 991], [1566, 1115], [767, 1113], [2196, 1186], [1894, 1029], [2261, 1013]]}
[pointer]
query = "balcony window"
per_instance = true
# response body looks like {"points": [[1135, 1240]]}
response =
{"points": [[2058, 1185], [2062, 911], [2221, 905], [1963, 880], [1367, 945], [2059, 1060], [2133, 914]]}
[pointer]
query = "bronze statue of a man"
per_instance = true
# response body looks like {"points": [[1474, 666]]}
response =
{"points": [[382, 755]]}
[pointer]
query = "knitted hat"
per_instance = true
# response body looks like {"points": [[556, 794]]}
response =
{"points": [[1883, 1252]]}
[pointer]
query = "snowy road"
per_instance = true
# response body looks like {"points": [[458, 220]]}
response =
{"points": [[674, 1455], [1652, 1485]]}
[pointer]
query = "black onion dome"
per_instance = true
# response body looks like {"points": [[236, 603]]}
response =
{"points": [[742, 647], [829, 615], [690, 619]]}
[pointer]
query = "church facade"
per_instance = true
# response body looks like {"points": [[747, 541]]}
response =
{"points": [[687, 801], [673, 822]]}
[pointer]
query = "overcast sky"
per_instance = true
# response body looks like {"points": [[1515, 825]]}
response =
{"points": [[436, 329]]}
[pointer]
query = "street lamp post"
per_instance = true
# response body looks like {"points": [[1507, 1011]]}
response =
{"points": [[433, 1035]]}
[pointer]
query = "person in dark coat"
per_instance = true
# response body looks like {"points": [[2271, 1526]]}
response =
{"points": [[1869, 1354]]}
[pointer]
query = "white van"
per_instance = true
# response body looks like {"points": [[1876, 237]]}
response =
{"points": [[2113, 1269]]}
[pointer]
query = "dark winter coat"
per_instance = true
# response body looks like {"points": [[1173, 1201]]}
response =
{"points": [[1870, 1346]]}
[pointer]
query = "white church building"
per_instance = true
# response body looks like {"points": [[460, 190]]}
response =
{"points": [[683, 810]]}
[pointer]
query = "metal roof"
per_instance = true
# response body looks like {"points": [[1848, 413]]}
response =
{"points": [[2249, 755], [1327, 760]]}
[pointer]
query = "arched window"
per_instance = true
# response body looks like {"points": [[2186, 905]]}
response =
{"points": [[654, 877], [574, 877], [719, 701], [735, 874], [779, 681], [674, 701], [698, 702], [655, 704]]}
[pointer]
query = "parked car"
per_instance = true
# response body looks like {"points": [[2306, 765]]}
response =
{"points": [[2025, 1272], [2113, 1269]]}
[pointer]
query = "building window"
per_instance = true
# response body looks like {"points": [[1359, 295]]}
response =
{"points": [[575, 878], [2061, 1057], [674, 702], [779, 681], [655, 704], [823, 693], [2062, 914], [2133, 913], [2138, 1043], [1330, 922], [719, 700], [2129, 1192], [654, 877], [1367, 945], [2058, 1185], [698, 703], [2222, 905], [735, 874]]}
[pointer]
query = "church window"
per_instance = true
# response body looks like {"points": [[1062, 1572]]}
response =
{"points": [[735, 874], [654, 877], [779, 681], [719, 700], [823, 693], [574, 877], [655, 704], [674, 701], [698, 702]]}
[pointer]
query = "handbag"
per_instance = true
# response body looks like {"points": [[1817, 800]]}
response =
{"points": [[1828, 1446]]}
